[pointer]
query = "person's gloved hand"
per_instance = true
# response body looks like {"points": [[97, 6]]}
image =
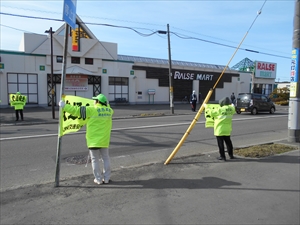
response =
{"points": [[61, 103], [204, 105], [190, 102]]}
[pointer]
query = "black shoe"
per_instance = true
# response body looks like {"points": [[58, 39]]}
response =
{"points": [[231, 157], [221, 158], [106, 181]]}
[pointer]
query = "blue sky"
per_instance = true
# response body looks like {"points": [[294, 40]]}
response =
{"points": [[220, 21]]}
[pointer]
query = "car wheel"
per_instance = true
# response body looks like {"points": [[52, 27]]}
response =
{"points": [[254, 111], [238, 112], [272, 110]]}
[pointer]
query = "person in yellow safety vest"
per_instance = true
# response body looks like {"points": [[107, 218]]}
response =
{"points": [[19, 106], [223, 126], [98, 130]]}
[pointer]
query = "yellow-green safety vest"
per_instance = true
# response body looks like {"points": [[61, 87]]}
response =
{"points": [[223, 120], [99, 123]]}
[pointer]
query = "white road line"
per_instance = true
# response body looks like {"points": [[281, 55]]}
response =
{"points": [[131, 128]]}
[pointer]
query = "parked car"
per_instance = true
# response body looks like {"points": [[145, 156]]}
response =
{"points": [[254, 103]]}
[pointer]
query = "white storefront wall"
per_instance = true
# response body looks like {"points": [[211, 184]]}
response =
{"points": [[228, 89], [141, 85], [35, 52], [138, 83], [22, 64]]}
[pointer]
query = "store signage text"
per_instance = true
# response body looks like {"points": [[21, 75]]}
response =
{"points": [[265, 70], [76, 82], [76, 35], [266, 66], [294, 65], [192, 76]]}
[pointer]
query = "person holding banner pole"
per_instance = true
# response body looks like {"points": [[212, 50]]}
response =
{"points": [[98, 131], [222, 122], [18, 101]]}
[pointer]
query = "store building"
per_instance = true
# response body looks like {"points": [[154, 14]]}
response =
{"points": [[95, 67], [263, 75]]}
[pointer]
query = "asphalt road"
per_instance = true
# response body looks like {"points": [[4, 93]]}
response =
{"points": [[194, 188], [28, 158]]}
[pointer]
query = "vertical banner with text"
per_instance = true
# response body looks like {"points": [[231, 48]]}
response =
{"points": [[294, 72]]}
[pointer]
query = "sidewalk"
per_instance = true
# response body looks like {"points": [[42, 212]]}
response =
{"points": [[192, 190]]}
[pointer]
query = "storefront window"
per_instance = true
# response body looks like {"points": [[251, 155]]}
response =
{"points": [[25, 83], [59, 59], [118, 89], [75, 60], [89, 61]]}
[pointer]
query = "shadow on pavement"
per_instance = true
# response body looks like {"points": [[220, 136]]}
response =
{"points": [[164, 183]]}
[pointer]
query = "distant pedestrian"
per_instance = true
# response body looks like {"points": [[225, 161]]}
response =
{"points": [[193, 101], [98, 130], [232, 97], [223, 126]]}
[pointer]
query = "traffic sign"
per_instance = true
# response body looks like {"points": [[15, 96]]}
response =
{"points": [[69, 14]]}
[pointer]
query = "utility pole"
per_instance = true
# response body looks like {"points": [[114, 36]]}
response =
{"points": [[294, 102], [52, 89], [171, 93], [170, 74]]}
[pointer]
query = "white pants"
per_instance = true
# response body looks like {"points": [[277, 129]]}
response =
{"points": [[95, 156]]}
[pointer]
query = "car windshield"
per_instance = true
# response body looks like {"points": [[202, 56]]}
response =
{"points": [[244, 97]]}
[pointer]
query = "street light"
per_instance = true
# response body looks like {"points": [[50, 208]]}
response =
{"points": [[170, 70], [52, 91]]}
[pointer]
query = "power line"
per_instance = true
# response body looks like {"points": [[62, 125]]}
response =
{"points": [[229, 46], [15, 28], [143, 34], [137, 22]]}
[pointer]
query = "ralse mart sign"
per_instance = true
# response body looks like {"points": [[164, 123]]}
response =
{"points": [[191, 76], [265, 70]]}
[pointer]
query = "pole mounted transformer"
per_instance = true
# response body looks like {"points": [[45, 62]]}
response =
{"points": [[294, 102]]}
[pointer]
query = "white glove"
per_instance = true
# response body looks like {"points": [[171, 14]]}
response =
{"points": [[204, 105], [61, 103]]}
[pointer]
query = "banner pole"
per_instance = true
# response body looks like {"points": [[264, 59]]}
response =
{"points": [[201, 108], [190, 128]]}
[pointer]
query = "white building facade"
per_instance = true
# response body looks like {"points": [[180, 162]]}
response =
{"points": [[95, 67]]}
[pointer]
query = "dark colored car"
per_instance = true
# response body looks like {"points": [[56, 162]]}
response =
{"points": [[254, 103]]}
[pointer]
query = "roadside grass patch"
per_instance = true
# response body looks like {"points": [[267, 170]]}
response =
{"points": [[151, 114], [264, 150]]}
